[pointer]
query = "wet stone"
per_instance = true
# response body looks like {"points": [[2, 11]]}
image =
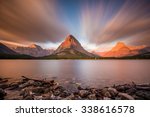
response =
{"points": [[29, 97], [2, 94], [113, 92], [92, 97], [38, 90], [131, 91], [143, 94], [83, 93], [125, 96], [4, 86], [13, 86]]}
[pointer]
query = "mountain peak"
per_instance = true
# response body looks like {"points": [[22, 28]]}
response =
{"points": [[34, 46], [69, 42], [69, 37], [71, 47], [119, 46]]}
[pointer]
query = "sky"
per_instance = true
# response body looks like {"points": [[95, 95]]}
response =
{"points": [[97, 24]]}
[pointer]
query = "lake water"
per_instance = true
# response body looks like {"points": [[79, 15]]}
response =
{"points": [[93, 73]]}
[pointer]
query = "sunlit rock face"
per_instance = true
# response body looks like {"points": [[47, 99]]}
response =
{"points": [[33, 50], [122, 50]]}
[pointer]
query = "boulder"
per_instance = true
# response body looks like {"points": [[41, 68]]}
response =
{"points": [[113, 92], [38, 90], [105, 93], [83, 93], [70, 97], [64, 94], [29, 97], [123, 88], [131, 91], [13, 86], [125, 96], [92, 97], [143, 88], [2, 94], [143, 94], [3, 81], [4, 86]]}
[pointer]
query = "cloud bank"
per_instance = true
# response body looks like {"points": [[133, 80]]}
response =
{"points": [[30, 21]]}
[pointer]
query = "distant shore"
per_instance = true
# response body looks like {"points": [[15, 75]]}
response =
{"points": [[35, 89]]}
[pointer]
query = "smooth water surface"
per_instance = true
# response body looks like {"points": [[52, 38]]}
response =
{"points": [[93, 73]]}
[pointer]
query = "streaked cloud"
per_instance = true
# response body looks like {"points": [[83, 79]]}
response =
{"points": [[30, 21], [131, 20], [95, 23]]}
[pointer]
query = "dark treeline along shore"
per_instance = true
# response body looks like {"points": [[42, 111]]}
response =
{"points": [[35, 89], [27, 57]]}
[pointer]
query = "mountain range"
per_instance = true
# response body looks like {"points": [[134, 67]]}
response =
{"points": [[33, 50], [122, 50], [7, 53], [71, 48]]}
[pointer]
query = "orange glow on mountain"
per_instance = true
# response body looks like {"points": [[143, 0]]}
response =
{"points": [[69, 41]]}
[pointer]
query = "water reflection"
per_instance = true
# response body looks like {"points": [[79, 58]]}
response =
{"points": [[92, 73]]}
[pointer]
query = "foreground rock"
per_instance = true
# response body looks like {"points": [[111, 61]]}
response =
{"points": [[34, 89]]}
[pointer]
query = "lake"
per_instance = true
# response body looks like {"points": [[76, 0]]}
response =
{"points": [[93, 73]]}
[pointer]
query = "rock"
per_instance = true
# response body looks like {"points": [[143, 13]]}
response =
{"points": [[131, 91], [70, 97], [47, 90], [105, 92], [3, 81], [92, 97], [64, 94], [143, 88], [106, 98], [143, 94], [57, 92], [24, 93], [93, 90], [52, 82], [143, 85], [125, 96], [79, 88], [38, 90], [29, 97], [13, 86], [37, 84], [27, 84], [83, 93], [47, 96], [123, 88], [24, 85], [2, 94], [113, 92], [4, 86], [99, 95], [38, 97], [17, 98], [53, 97], [24, 79]]}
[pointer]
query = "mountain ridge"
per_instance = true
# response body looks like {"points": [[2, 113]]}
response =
{"points": [[122, 50], [71, 48]]}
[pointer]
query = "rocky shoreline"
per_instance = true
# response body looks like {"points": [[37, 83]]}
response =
{"points": [[34, 89]]}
